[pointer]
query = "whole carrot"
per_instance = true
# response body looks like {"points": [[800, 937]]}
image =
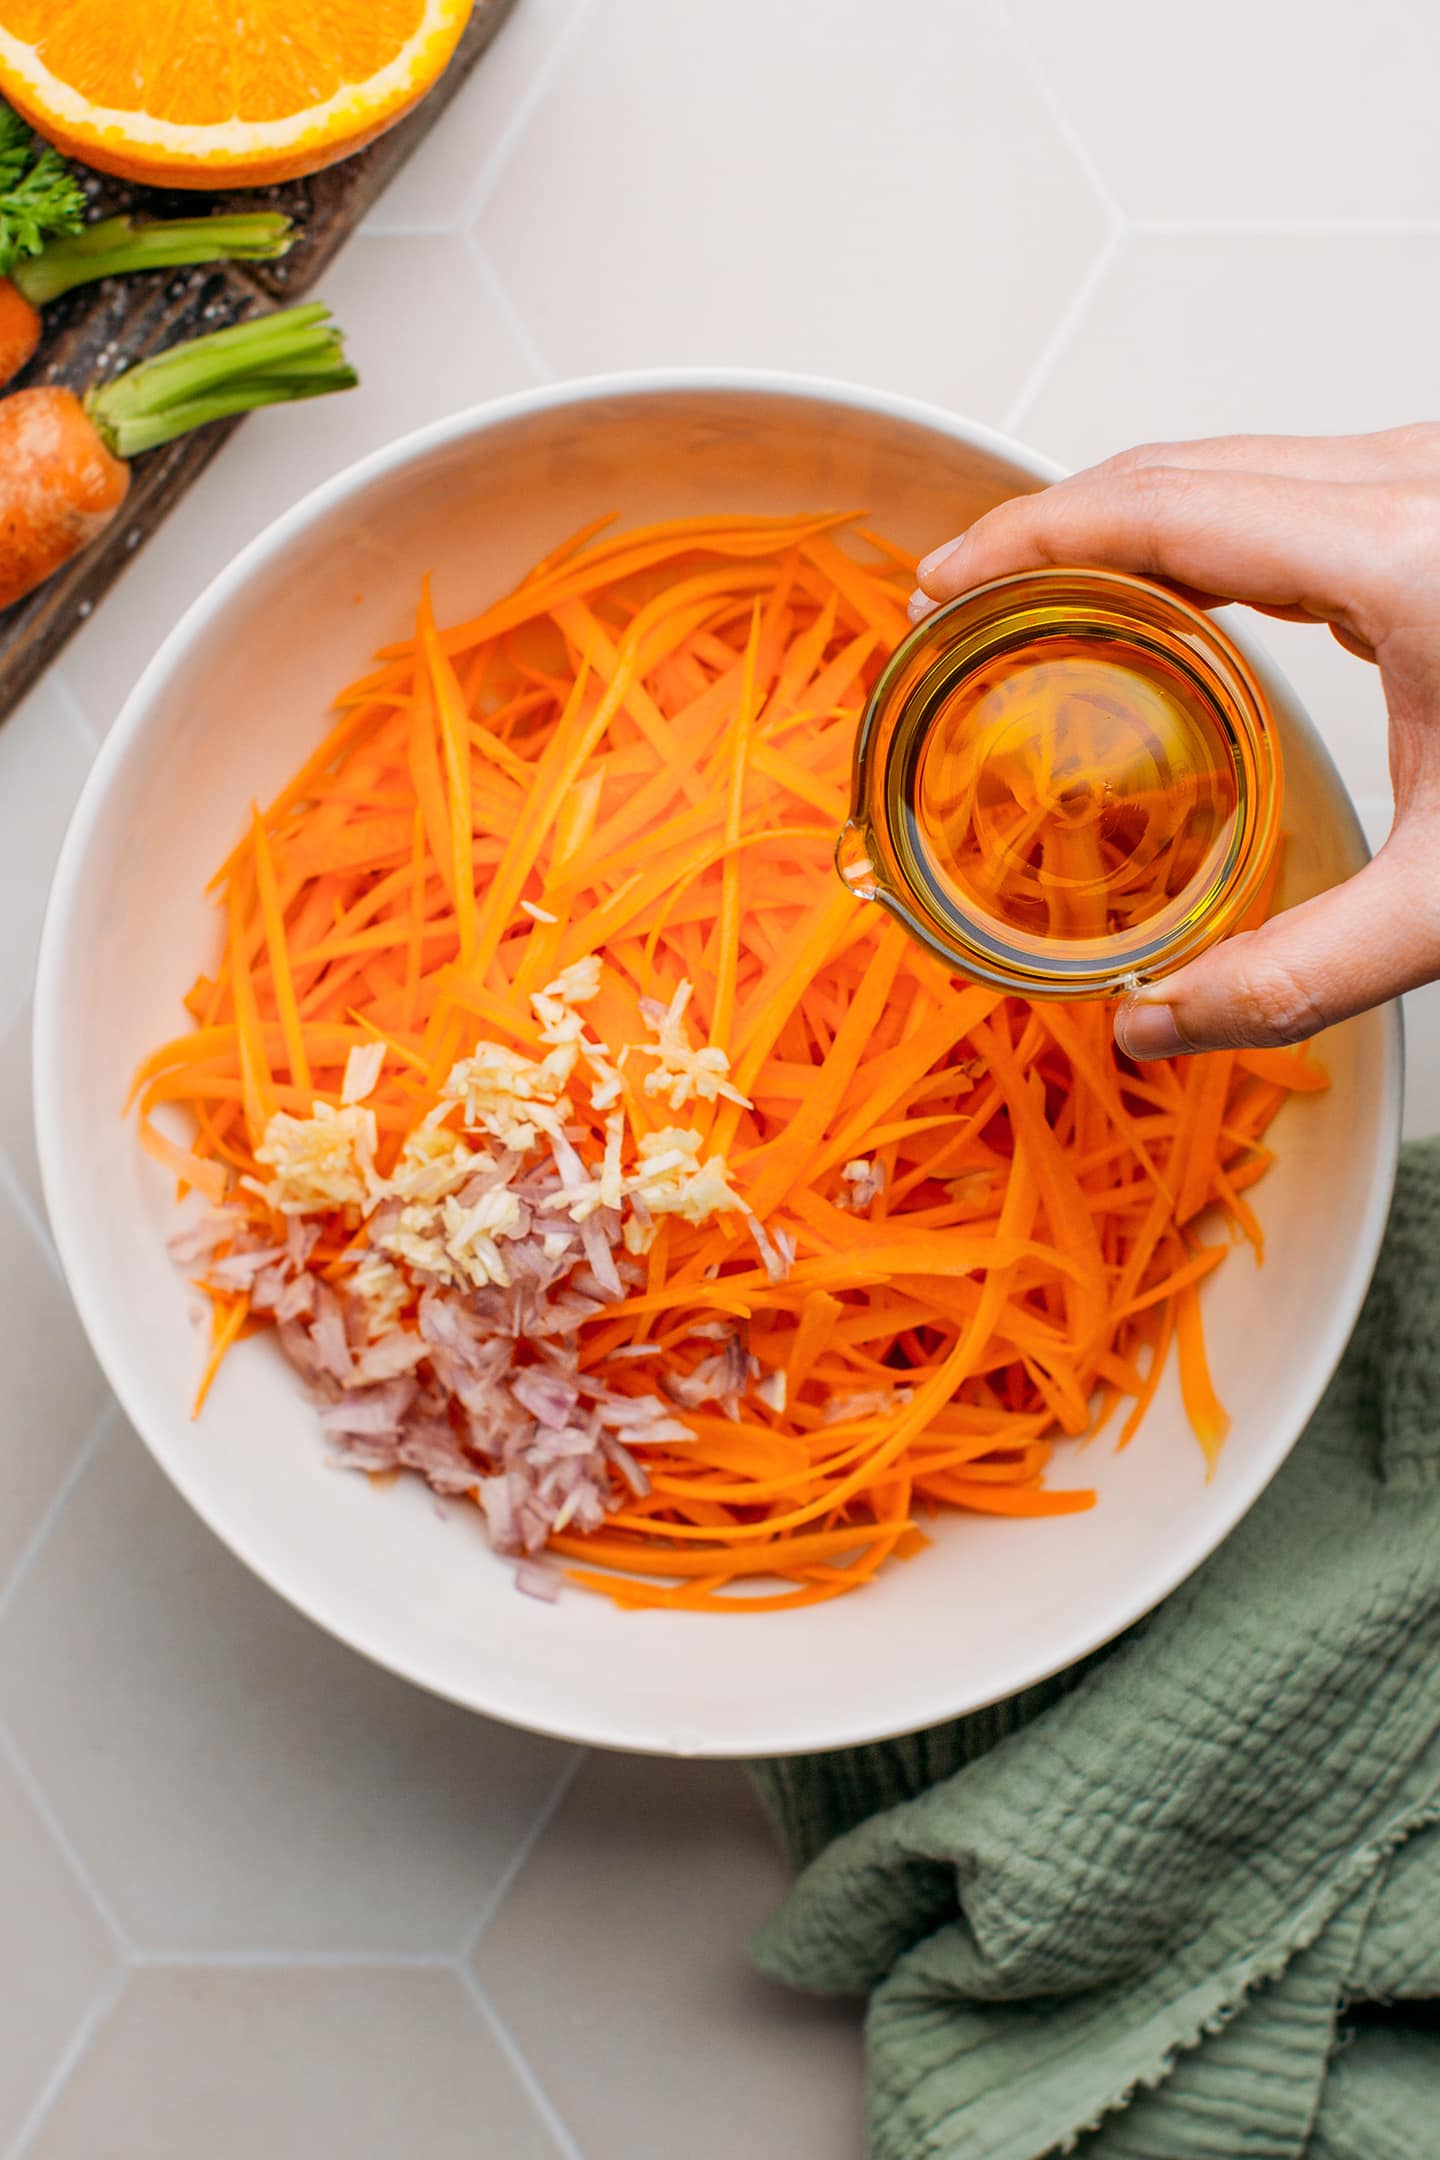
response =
{"points": [[63, 469], [60, 485]]}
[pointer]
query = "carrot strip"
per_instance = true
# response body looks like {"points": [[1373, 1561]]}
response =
{"points": [[1210, 1421], [449, 706], [728, 925], [274, 921], [254, 1064], [189, 1169], [227, 1332]]}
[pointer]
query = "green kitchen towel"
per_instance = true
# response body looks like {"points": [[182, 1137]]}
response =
{"points": [[1182, 1902]]}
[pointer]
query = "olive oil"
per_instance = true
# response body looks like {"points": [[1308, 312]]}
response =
{"points": [[1064, 782]]}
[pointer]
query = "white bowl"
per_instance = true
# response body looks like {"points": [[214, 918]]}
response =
{"points": [[234, 698]]}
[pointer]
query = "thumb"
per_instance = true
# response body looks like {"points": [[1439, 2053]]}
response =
{"points": [[1340, 953]]}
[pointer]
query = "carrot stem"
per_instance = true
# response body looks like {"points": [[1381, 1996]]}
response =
{"points": [[117, 246], [292, 353]]}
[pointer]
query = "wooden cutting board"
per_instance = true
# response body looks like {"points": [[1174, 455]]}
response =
{"points": [[101, 328]]}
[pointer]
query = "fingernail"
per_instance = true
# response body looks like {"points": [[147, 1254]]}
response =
{"points": [[933, 560], [1147, 1031], [919, 605]]}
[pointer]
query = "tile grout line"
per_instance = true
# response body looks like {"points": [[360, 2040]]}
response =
{"points": [[35, 1793], [90, 735], [30, 1550], [147, 1960], [1337, 228], [483, 185], [1063, 332], [370, 228], [59, 2077], [500, 293], [25, 1207], [544, 1816], [1049, 96], [509, 2047]]}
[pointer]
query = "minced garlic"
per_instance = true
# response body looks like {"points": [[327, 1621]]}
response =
{"points": [[324, 1161], [454, 1243], [607, 1189], [519, 1102], [561, 1026], [680, 1071], [576, 984], [672, 1180], [433, 1162], [512, 1097]]}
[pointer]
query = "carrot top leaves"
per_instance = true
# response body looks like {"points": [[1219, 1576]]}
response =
{"points": [[39, 195]]}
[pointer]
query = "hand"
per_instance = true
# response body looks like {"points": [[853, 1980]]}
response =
{"points": [[1343, 530]]}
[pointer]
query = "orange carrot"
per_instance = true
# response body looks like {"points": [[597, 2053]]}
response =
{"points": [[19, 329], [60, 485], [63, 470]]}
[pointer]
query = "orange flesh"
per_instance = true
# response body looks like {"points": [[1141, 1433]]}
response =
{"points": [[59, 486], [183, 60], [203, 94], [650, 742]]}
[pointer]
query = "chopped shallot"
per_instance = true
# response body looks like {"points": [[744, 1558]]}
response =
{"points": [[449, 1346]]}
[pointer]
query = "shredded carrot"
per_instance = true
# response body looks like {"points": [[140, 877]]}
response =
{"points": [[1209, 1418], [229, 1317], [966, 1227]]}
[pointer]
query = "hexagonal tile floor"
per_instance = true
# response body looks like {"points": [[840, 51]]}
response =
{"points": [[255, 1896]]}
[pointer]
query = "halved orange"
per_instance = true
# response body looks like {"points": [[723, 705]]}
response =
{"points": [[207, 93]]}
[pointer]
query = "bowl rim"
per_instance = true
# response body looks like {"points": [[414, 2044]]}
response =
{"points": [[64, 1202]]}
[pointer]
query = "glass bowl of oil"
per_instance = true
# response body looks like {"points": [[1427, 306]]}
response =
{"points": [[1066, 784]]}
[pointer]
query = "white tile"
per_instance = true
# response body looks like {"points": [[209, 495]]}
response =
{"points": [[231, 1777], [17, 1109], [53, 1389], [44, 758], [432, 188], [824, 187], [1376, 816], [427, 336], [1211, 333], [59, 1955], [622, 1944], [292, 2065], [1257, 109]]}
